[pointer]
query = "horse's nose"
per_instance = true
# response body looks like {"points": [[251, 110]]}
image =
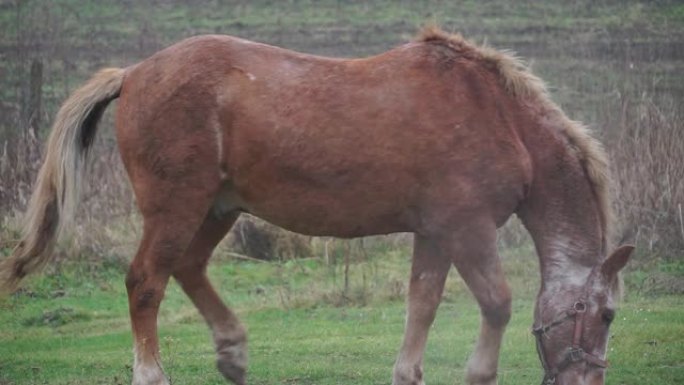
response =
{"points": [[581, 374], [575, 375], [595, 376]]}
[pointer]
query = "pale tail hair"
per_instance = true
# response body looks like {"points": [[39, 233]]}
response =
{"points": [[57, 188]]}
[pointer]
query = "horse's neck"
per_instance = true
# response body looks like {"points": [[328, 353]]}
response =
{"points": [[561, 212]]}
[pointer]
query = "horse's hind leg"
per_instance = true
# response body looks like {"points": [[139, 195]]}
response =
{"points": [[428, 274], [477, 261], [173, 210], [165, 238], [229, 335]]}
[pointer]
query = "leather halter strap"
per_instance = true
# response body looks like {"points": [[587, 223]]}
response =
{"points": [[575, 353]]}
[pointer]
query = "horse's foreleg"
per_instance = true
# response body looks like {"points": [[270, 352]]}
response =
{"points": [[478, 263], [428, 273], [229, 335]]}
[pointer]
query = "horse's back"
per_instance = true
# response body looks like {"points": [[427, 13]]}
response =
{"points": [[408, 140]]}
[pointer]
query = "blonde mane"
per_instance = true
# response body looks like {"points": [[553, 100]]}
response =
{"points": [[519, 81]]}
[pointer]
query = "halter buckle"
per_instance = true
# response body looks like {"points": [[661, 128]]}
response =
{"points": [[575, 354]]}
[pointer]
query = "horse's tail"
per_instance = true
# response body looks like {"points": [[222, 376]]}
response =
{"points": [[57, 187]]}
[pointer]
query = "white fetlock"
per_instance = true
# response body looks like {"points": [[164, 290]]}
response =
{"points": [[148, 375], [408, 375], [148, 372]]}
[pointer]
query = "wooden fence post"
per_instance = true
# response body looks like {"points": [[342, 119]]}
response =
{"points": [[33, 111]]}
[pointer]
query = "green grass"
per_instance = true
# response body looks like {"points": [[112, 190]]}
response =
{"points": [[64, 328]]}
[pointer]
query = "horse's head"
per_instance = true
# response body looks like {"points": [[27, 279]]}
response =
{"points": [[571, 325]]}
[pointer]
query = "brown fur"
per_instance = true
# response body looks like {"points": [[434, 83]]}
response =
{"points": [[521, 82], [438, 137], [517, 78]]}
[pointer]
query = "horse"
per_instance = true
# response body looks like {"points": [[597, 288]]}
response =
{"points": [[439, 137]]}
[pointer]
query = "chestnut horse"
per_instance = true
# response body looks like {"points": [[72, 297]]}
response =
{"points": [[438, 137]]}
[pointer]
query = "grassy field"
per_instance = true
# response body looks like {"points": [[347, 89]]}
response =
{"points": [[71, 327]]}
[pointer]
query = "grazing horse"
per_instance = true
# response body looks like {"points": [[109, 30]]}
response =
{"points": [[438, 137]]}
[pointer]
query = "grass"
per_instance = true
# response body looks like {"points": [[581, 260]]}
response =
{"points": [[71, 327]]}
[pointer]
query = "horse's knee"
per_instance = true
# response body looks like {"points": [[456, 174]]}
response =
{"points": [[144, 292], [497, 310]]}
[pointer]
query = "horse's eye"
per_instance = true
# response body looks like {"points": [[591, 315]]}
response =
{"points": [[608, 316]]}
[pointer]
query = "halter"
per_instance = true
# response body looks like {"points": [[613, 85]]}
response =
{"points": [[575, 353]]}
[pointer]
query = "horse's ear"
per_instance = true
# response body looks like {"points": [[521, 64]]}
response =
{"points": [[616, 261]]}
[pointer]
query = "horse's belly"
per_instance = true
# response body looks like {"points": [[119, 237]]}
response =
{"points": [[341, 225], [365, 194], [325, 212]]}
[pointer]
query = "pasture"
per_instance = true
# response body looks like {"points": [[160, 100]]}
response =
{"points": [[337, 315], [73, 328]]}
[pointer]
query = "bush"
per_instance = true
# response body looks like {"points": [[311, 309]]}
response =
{"points": [[258, 239], [647, 152]]}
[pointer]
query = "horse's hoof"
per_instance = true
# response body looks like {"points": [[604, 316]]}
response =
{"points": [[232, 372]]}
